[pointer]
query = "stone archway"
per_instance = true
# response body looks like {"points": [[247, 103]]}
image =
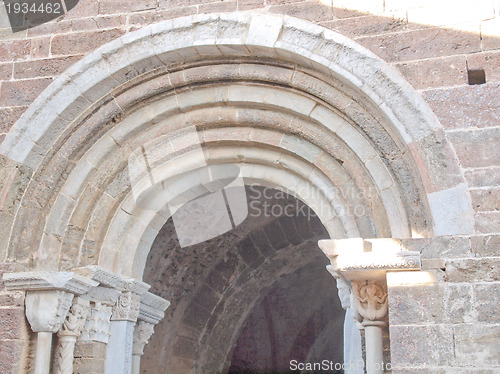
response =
{"points": [[291, 104]]}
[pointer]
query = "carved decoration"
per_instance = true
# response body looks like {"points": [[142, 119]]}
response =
{"points": [[76, 317], [67, 335], [343, 288], [370, 299], [127, 307], [142, 333], [98, 325]]}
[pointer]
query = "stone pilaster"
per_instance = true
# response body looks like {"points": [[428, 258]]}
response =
{"points": [[123, 320]]}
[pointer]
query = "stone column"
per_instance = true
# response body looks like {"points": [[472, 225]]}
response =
{"points": [[365, 263], [69, 333], [123, 320], [48, 299], [151, 311]]}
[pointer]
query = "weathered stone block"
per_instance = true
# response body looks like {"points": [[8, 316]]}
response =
{"points": [[488, 222], [440, 246], [113, 6], [459, 107], [88, 366], [96, 350], [489, 177], [9, 116], [364, 25], [472, 270], [312, 11], [10, 354], [12, 299], [452, 211], [458, 303], [226, 6], [416, 304], [79, 43], [417, 345], [487, 299], [477, 345], [477, 148], [419, 44], [24, 92], [51, 67], [247, 251], [11, 323], [485, 246], [275, 235], [15, 50], [6, 71], [445, 72], [486, 199]]}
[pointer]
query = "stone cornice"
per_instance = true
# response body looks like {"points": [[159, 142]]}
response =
{"points": [[367, 259], [46, 281], [152, 308], [104, 277]]}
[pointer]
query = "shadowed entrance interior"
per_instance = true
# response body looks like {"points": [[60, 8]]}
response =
{"points": [[250, 300]]}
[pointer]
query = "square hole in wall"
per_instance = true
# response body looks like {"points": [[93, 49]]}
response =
{"points": [[476, 76]]}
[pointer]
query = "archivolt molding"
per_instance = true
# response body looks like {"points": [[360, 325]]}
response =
{"points": [[289, 102]]}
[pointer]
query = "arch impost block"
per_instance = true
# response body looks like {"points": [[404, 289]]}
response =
{"points": [[47, 281], [359, 259], [103, 276], [152, 308]]}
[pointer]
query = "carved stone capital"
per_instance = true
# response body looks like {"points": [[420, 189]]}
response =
{"points": [[127, 307], [142, 333], [97, 326], [344, 290], [371, 300], [47, 310], [75, 318]]}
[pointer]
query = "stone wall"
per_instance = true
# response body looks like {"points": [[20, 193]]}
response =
{"points": [[446, 319], [14, 331]]}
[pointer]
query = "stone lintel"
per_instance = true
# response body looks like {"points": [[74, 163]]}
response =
{"points": [[369, 259], [46, 281]]}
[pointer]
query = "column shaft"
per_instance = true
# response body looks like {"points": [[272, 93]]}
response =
{"points": [[136, 364], [43, 350], [374, 350]]}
